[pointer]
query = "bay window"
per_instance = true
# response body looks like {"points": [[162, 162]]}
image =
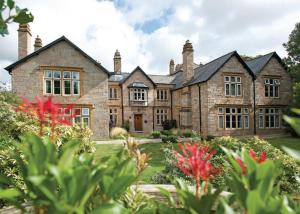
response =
{"points": [[138, 94]]}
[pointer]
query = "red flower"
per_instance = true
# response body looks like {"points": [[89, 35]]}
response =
{"points": [[243, 167], [195, 162], [46, 111]]}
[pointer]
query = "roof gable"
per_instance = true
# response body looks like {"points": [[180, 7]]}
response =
{"points": [[258, 64], [136, 70], [63, 38], [204, 72]]}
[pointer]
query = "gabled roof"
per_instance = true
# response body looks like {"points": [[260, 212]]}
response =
{"points": [[204, 72], [63, 38], [117, 77], [257, 64], [135, 70]]}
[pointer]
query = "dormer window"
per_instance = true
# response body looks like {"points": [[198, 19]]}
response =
{"points": [[61, 82], [272, 87], [233, 86]]}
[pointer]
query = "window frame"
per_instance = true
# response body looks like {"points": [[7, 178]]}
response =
{"points": [[113, 116], [230, 81], [113, 93], [136, 95], [162, 114], [162, 94], [236, 114], [265, 117], [76, 75], [272, 84]]}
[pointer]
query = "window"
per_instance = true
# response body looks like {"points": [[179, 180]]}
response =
{"points": [[113, 116], [162, 94], [138, 94], [269, 118], [60, 82], [233, 86], [233, 118], [161, 116], [272, 87], [113, 93], [82, 116]]}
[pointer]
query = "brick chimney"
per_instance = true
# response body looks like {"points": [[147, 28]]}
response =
{"points": [[117, 62], [37, 43], [24, 40], [188, 61], [172, 66]]}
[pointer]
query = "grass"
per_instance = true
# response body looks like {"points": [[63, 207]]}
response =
{"points": [[293, 143], [155, 150]]}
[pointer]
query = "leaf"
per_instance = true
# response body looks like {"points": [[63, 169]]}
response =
{"points": [[10, 4], [23, 17], [254, 203], [294, 122], [1, 4], [9, 193], [114, 208], [292, 152]]}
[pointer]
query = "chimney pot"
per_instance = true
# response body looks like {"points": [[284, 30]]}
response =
{"points": [[117, 62], [38, 43], [172, 67], [188, 61]]}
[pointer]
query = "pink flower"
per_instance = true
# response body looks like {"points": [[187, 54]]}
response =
{"points": [[195, 162]]}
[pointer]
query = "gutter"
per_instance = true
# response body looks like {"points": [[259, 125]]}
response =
{"points": [[200, 118], [254, 108]]}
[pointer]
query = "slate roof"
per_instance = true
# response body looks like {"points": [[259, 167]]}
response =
{"points": [[257, 64], [162, 79], [117, 77], [63, 38]]}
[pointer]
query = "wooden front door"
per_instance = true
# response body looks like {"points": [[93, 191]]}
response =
{"points": [[138, 122]]}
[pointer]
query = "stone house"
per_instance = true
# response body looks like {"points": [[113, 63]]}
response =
{"points": [[227, 96]]}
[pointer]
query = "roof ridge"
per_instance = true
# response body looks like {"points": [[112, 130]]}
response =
{"points": [[232, 52], [273, 52]]}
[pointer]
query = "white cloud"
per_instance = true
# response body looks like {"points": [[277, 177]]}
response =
{"points": [[215, 28]]}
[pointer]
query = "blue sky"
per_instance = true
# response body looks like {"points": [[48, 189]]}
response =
{"points": [[149, 33]]}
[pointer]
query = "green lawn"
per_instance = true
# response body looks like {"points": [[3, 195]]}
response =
{"points": [[155, 150], [290, 142]]}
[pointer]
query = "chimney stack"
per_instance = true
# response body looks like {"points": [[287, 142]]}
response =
{"points": [[172, 66], [38, 43], [24, 40], [188, 61], [117, 62]]}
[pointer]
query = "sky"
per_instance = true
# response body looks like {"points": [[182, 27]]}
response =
{"points": [[149, 33]]}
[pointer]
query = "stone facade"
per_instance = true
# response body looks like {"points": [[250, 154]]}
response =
{"points": [[222, 97]]}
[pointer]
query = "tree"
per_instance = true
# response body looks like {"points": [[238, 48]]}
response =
{"points": [[292, 48], [9, 13]]}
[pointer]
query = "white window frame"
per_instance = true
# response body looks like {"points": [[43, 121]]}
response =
{"points": [[113, 116], [233, 81], [272, 85], [61, 80], [138, 94], [82, 116], [161, 116], [162, 94], [113, 93], [239, 114], [265, 118]]}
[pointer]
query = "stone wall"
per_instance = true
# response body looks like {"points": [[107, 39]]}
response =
{"points": [[27, 82]]}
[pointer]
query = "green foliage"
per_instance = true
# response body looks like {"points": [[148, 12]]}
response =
{"points": [[166, 132], [14, 14], [169, 124], [155, 134], [169, 139], [60, 181], [254, 189], [189, 204], [126, 125]]}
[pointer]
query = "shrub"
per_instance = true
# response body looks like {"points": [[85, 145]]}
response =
{"points": [[210, 137], [166, 132], [186, 133], [155, 134], [126, 125], [169, 139], [169, 124], [118, 132]]}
